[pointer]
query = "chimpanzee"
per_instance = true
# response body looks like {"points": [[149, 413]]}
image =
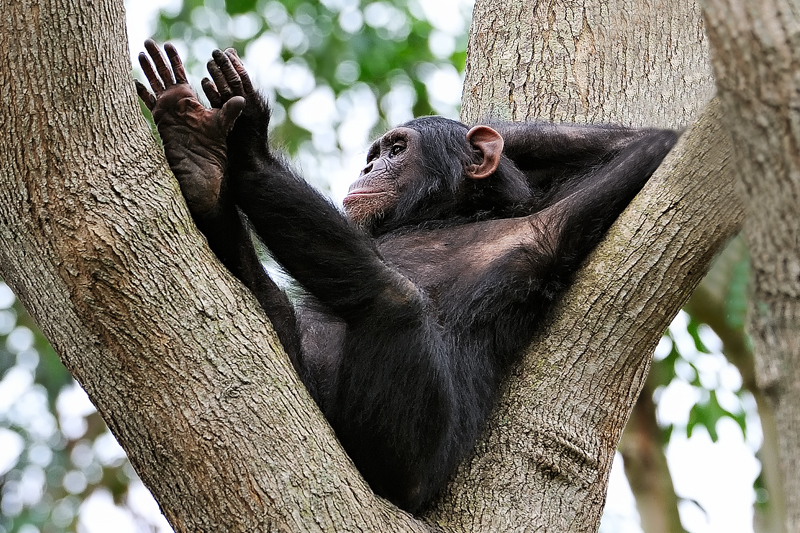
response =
{"points": [[453, 245]]}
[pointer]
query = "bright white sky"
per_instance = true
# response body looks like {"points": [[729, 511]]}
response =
{"points": [[719, 476]]}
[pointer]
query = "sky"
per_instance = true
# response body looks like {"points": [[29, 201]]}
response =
{"points": [[717, 476]]}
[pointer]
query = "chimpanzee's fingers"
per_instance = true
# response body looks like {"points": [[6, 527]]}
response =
{"points": [[211, 93], [219, 80], [152, 77], [224, 63], [237, 64], [175, 61], [146, 96], [230, 112], [158, 60]]}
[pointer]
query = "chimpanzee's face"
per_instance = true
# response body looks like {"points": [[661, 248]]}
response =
{"points": [[392, 166]]}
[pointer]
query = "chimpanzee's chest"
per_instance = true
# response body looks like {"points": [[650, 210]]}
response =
{"points": [[455, 258]]}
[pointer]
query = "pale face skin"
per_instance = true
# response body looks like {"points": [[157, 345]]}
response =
{"points": [[390, 169]]}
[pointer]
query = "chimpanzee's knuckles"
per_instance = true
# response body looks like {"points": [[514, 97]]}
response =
{"points": [[219, 78]]}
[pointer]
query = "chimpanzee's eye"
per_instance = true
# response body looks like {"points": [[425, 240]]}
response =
{"points": [[397, 148]]}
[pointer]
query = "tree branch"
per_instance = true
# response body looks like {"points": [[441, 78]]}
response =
{"points": [[642, 450]]}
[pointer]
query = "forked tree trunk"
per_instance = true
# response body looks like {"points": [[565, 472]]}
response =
{"points": [[96, 242]]}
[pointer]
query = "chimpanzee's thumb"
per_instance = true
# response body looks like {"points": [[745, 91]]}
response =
{"points": [[230, 112]]}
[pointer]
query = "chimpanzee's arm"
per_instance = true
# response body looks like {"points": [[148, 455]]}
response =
{"points": [[229, 239], [605, 190], [336, 262], [543, 141], [584, 210], [313, 240], [551, 155], [556, 240], [194, 143], [393, 404]]}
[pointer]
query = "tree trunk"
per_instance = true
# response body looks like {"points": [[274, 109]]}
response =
{"points": [[588, 61], [755, 57], [97, 243]]}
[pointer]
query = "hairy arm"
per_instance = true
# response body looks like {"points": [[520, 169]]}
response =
{"points": [[554, 156], [333, 260], [391, 399], [534, 258], [194, 140]]}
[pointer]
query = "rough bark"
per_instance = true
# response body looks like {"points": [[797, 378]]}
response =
{"points": [[618, 61], [756, 53]]}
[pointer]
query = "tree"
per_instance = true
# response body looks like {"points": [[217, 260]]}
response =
{"points": [[106, 194]]}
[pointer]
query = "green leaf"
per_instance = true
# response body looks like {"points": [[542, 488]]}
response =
{"points": [[235, 7]]}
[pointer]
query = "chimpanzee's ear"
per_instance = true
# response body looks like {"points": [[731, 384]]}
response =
{"points": [[490, 144]]}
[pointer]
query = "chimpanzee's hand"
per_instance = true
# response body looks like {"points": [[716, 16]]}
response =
{"points": [[230, 79], [194, 136]]}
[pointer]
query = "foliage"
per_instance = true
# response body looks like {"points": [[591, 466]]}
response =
{"points": [[340, 52], [705, 375]]}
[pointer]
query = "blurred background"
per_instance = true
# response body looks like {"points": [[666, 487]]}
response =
{"points": [[340, 72]]}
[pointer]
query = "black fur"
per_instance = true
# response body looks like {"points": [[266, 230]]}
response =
{"points": [[411, 324]]}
